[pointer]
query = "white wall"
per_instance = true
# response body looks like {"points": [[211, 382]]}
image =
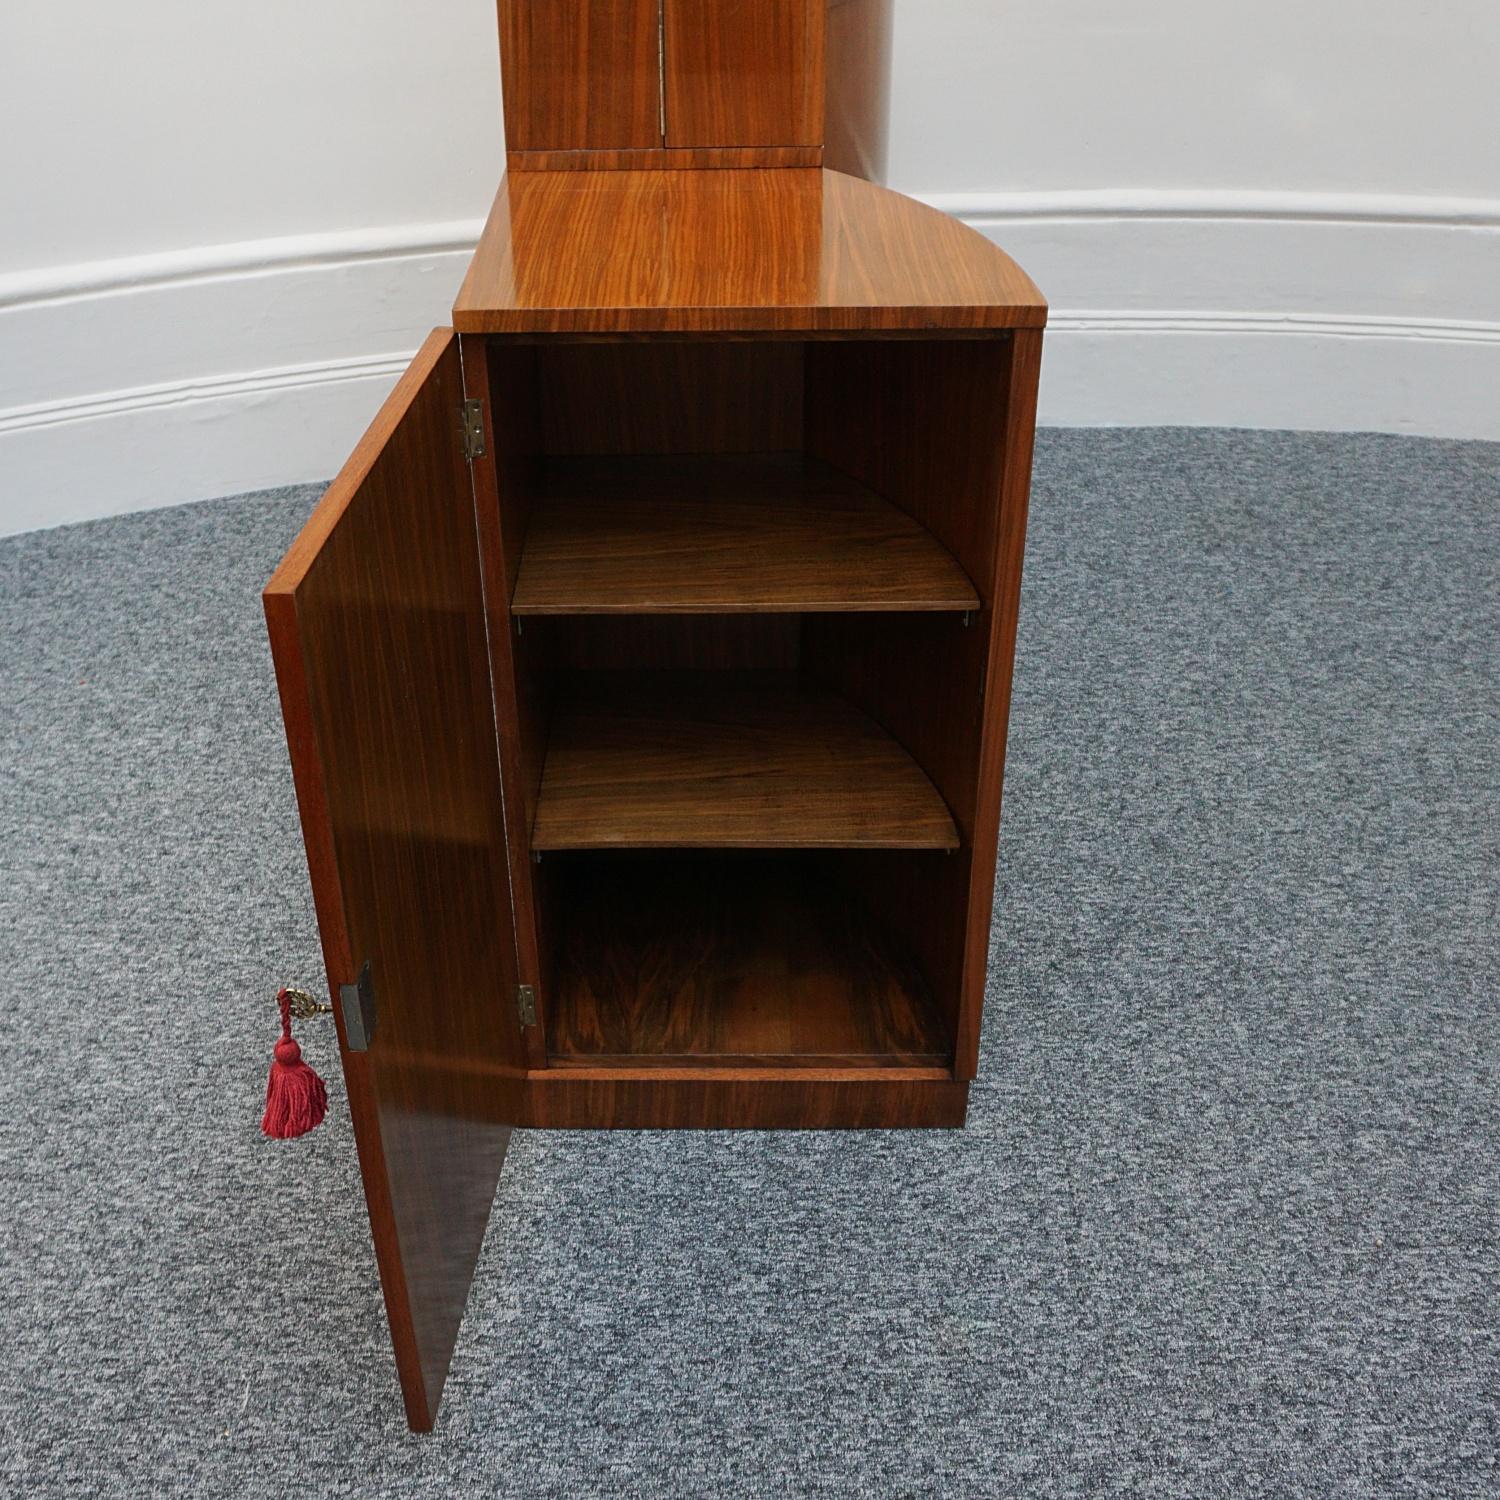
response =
{"points": [[224, 228]]}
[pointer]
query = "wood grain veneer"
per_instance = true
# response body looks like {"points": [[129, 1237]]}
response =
{"points": [[666, 159], [803, 250], [733, 961], [503, 482], [734, 533], [1017, 444], [728, 1098], [669, 396], [569, 1099], [945, 431], [762, 1096], [742, 74], [377, 628], [684, 702], [921, 424], [726, 760], [669, 643], [575, 1099], [610, 85], [580, 74]]}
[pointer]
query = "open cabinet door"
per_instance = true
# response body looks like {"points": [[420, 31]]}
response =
{"points": [[377, 626]]}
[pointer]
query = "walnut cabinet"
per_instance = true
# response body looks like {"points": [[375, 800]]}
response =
{"points": [[646, 670]]}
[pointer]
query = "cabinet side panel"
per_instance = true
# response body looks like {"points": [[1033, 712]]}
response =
{"points": [[857, 109], [744, 74], [909, 674], [933, 427], [921, 423], [507, 478], [581, 75], [1018, 445]]}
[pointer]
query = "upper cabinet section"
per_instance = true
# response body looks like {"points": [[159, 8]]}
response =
{"points": [[602, 84], [581, 75], [744, 72]]}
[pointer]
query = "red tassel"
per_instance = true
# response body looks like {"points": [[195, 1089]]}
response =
{"points": [[296, 1099]]}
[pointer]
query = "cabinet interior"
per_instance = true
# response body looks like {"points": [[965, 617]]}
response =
{"points": [[754, 959], [748, 587]]}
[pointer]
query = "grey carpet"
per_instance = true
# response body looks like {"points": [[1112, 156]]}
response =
{"points": [[1224, 1222]]}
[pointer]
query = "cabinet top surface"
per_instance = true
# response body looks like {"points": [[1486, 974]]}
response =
{"points": [[729, 251]]}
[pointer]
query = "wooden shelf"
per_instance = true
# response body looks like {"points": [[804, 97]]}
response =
{"points": [[727, 760], [730, 534], [731, 961]]}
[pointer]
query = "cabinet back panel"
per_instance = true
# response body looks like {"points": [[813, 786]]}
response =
{"points": [[671, 398], [669, 643]]}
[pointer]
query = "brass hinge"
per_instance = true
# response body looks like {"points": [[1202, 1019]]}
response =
{"points": [[472, 423], [526, 1004]]}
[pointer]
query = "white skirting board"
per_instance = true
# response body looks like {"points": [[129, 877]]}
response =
{"points": [[161, 379]]}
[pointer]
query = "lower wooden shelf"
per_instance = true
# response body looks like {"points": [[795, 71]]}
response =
{"points": [[730, 961], [646, 760]]}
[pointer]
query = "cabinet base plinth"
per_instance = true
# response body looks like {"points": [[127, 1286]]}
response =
{"points": [[576, 1099]]}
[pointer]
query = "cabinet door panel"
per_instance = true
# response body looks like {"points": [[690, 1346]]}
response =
{"points": [[581, 75], [744, 72], [377, 626]]}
